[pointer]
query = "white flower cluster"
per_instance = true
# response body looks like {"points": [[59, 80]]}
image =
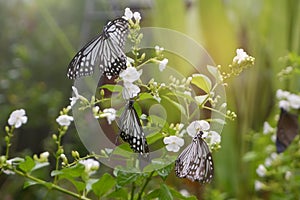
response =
{"points": [[109, 113], [174, 143], [241, 56], [91, 166], [129, 76], [288, 100], [128, 15], [64, 120]]}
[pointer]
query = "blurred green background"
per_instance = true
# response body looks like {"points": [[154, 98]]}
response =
{"points": [[39, 38]]}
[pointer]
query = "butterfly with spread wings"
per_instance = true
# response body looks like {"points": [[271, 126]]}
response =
{"points": [[105, 51], [195, 161], [131, 130]]}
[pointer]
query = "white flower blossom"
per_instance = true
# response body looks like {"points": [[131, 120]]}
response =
{"points": [[288, 175], [95, 111], [163, 64], [44, 155], [173, 143], [258, 185], [280, 94], [130, 90], [261, 170], [17, 118], [137, 16], [130, 74], [158, 49], [110, 114], [294, 101], [184, 193], [64, 120], [128, 14], [284, 104], [90, 165], [240, 57], [215, 137], [196, 126], [267, 128], [268, 162], [129, 62]]}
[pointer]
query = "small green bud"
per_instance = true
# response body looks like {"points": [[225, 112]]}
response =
{"points": [[7, 129], [102, 92], [54, 137]]}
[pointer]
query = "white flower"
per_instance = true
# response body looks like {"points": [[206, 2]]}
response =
{"points": [[110, 114], [288, 175], [267, 128], [137, 16], [128, 14], [157, 97], [184, 193], [64, 120], [258, 185], [163, 64], [44, 155], [215, 137], [261, 170], [173, 143], [284, 104], [90, 165], [280, 94], [17, 118], [130, 90], [240, 57], [268, 162], [158, 49], [129, 62], [77, 96], [95, 111], [130, 74], [294, 101], [196, 126]]}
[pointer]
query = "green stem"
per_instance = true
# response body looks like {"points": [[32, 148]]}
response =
{"points": [[8, 144], [144, 186], [132, 191], [50, 185]]}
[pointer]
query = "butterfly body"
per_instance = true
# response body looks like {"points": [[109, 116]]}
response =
{"points": [[104, 51], [287, 129], [195, 161], [131, 130]]}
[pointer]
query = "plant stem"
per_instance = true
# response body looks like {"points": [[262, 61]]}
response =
{"points": [[50, 185], [132, 191], [144, 186], [9, 136]]}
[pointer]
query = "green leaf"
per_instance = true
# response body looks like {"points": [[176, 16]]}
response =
{"points": [[29, 183], [120, 193], [153, 137], [202, 82], [153, 194], [177, 105], [145, 96], [176, 194], [165, 171], [74, 171], [124, 178], [214, 71], [165, 193], [112, 88], [27, 165], [103, 185]]}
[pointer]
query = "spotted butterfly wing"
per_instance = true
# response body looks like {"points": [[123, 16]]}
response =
{"points": [[131, 130], [105, 51], [287, 129], [195, 161]]}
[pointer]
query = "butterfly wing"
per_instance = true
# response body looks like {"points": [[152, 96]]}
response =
{"points": [[105, 50], [287, 129], [131, 131], [195, 162]]}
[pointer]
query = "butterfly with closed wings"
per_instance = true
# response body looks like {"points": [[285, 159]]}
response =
{"points": [[287, 130], [105, 51], [195, 161], [131, 130]]}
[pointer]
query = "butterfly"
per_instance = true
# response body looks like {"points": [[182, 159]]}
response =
{"points": [[287, 129], [105, 51], [195, 161], [131, 130]]}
